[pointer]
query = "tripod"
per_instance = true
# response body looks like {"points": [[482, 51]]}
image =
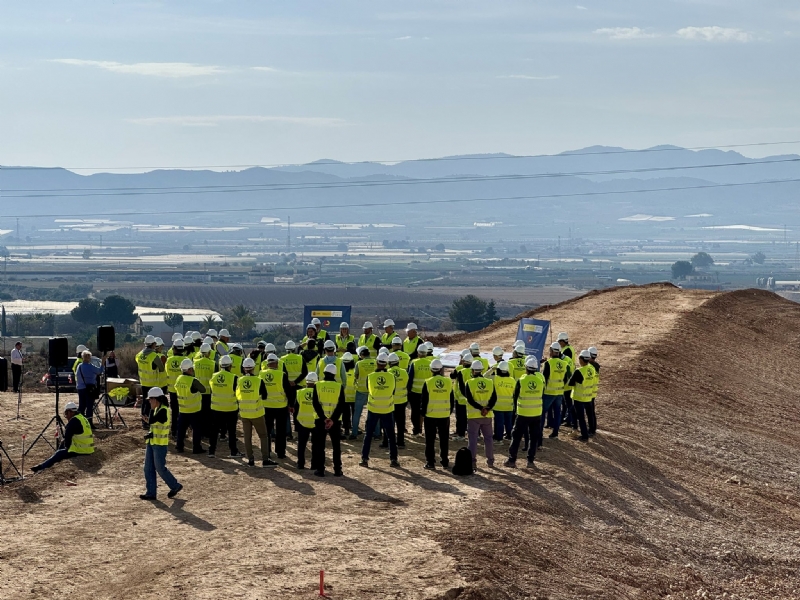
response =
{"points": [[107, 418], [3, 479], [56, 419], [19, 400]]}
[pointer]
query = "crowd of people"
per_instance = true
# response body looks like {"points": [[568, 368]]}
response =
{"points": [[322, 385]]}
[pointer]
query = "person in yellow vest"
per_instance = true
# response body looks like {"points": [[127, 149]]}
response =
{"points": [[204, 368], [163, 379], [364, 367], [236, 352], [149, 364], [322, 334], [380, 409], [329, 404], [592, 416], [412, 341], [311, 335], [504, 409], [369, 340], [190, 406], [156, 442], [343, 338], [418, 372], [400, 401], [276, 406], [224, 407], [78, 438], [78, 354], [556, 372], [528, 399], [329, 358], [173, 370], [460, 375], [222, 346], [306, 420], [481, 398], [349, 393], [475, 350], [259, 354], [397, 348], [568, 408], [251, 391], [197, 341], [437, 404], [516, 364], [295, 368], [497, 354], [388, 334], [583, 382], [175, 338]]}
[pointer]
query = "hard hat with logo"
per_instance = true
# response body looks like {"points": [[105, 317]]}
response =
{"points": [[226, 361], [186, 364], [248, 363]]}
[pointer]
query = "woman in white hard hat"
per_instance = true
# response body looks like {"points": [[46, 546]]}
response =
{"points": [[155, 456]]}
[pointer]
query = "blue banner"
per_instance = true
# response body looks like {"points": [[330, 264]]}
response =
{"points": [[331, 317], [534, 333]]}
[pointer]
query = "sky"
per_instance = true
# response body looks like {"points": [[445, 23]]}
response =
{"points": [[97, 85]]}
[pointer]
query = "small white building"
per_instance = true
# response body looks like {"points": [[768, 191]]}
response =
{"points": [[192, 320]]}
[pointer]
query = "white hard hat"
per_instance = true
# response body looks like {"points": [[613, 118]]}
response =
{"points": [[290, 345], [224, 333], [430, 346], [196, 337], [383, 350], [329, 345], [411, 327], [187, 340], [316, 321], [211, 333], [270, 348], [179, 344], [396, 341], [272, 358], [592, 351], [422, 349], [176, 337], [585, 355], [474, 346], [393, 358], [261, 343], [159, 341], [519, 343], [310, 326], [225, 361], [312, 377], [208, 340], [388, 323], [555, 346], [477, 365], [497, 351], [563, 337], [330, 369], [532, 363], [502, 366], [383, 359], [205, 348], [344, 325], [148, 341], [81, 347], [248, 363], [347, 357], [236, 347], [74, 407], [436, 365], [362, 349], [155, 392], [367, 325], [465, 353], [187, 364]]}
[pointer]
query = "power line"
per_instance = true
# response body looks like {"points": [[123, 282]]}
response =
{"points": [[415, 160], [411, 202], [266, 187]]}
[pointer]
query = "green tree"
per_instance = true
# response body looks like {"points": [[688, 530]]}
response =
{"points": [[702, 259], [491, 313], [87, 311], [759, 258], [241, 321], [117, 310], [173, 320], [439, 247], [87, 254], [468, 313], [209, 322], [681, 269]]}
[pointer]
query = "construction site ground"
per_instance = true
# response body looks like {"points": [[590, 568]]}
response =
{"points": [[689, 489]]}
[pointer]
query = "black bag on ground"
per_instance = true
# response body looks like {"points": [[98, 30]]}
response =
{"points": [[463, 462]]}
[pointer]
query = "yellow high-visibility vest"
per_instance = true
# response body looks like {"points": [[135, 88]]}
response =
{"points": [[328, 393], [248, 393], [83, 443], [381, 386], [422, 372], [188, 402], [276, 395], [504, 386], [160, 431], [306, 415], [481, 389], [583, 391], [529, 401], [439, 389], [401, 389], [223, 398]]}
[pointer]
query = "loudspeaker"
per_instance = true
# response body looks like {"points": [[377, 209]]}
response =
{"points": [[58, 352], [105, 338]]}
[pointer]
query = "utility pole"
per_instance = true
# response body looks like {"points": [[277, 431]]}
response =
{"points": [[289, 235]]}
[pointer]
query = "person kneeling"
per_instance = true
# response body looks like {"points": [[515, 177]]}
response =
{"points": [[78, 438], [155, 456]]}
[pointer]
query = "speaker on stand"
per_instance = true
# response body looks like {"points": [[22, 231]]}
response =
{"points": [[57, 357], [106, 342]]}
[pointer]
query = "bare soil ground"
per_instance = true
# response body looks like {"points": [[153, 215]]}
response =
{"points": [[688, 490]]}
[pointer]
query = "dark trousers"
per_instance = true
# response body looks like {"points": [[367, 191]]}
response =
{"points": [[145, 405], [85, 403], [551, 405], [526, 426], [415, 403], [461, 420], [195, 421], [318, 445], [205, 416], [434, 427], [582, 411], [276, 426], [227, 422], [303, 435], [174, 407], [400, 424], [16, 376], [569, 410], [387, 424], [60, 455], [347, 417], [591, 417]]}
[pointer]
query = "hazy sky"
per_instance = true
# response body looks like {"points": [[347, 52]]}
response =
{"points": [[101, 84]]}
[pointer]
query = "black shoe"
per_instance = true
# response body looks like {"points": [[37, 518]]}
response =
{"points": [[251, 462], [319, 473], [394, 464], [290, 438], [338, 473], [530, 464], [223, 437], [236, 454], [36, 469], [429, 466], [179, 450], [525, 449], [211, 454], [445, 464], [592, 434], [146, 497], [401, 444], [352, 437], [364, 463], [198, 451], [281, 456], [583, 438], [271, 464], [384, 444], [301, 466], [173, 493], [553, 435]]}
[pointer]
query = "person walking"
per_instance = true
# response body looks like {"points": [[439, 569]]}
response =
{"points": [[173, 369], [329, 404], [17, 358], [583, 382], [364, 367], [306, 420], [400, 401], [189, 391], [481, 398], [437, 404], [251, 392], [156, 442], [276, 405], [460, 375], [224, 407], [528, 399], [78, 438], [86, 385], [419, 371], [380, 409]]}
